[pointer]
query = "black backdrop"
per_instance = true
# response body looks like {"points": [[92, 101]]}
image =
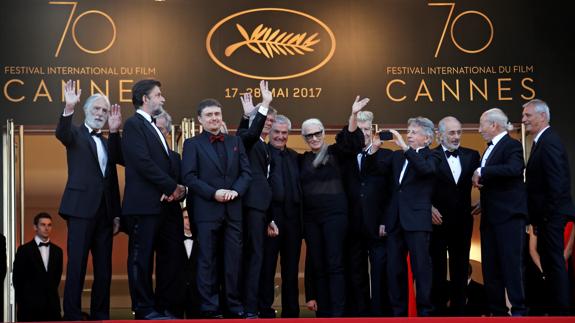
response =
{"points": [[407, 56]]}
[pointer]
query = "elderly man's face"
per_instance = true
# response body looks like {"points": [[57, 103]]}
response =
{"points": [[416, 137], [365, 127], [97, 114], [534, 121], [451, 138], [279, 135], [162, 124], [487, 128]]}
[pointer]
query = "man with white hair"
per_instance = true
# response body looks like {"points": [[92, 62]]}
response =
{"points": [[549, 200], [503, 214], [91, 200], [451, 217]]}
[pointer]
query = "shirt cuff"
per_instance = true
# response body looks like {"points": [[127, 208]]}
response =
{"points": [[64, 114], [263, 110], [478, 170]]}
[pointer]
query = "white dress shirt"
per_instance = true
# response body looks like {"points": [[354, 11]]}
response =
{"points": [[44, 251], [189, 244], [454, 164], [489, 149], [102, 154]]}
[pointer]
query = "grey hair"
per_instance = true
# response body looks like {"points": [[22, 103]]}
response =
{"points": [[540, 107], [363, 116], [441, 124], [322, 156], [498, 117], [166, 116], [426, 125], [281, 119], [90, 101]]}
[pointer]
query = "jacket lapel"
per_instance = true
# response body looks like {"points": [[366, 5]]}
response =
{"points": [[210, 151], [87, 136], [154, 133], [497, 148]]}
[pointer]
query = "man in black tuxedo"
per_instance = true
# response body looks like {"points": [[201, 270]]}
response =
{"points": [[91, 200], [367, 195], [503, 213], [168, 262], [253, 129], [284, 231], [36, 274], [451, 218], [407, 220], [151, 195], [549, 200], [215, 168]]}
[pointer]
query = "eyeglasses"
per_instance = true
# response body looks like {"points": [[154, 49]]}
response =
{"points": [[310, 136]]}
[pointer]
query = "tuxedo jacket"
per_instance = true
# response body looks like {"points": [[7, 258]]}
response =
{"points": [[410, 204], [86, 186], [548, 180], [367, 192], [259, 194], [204, 174], [503, 195], [37, 289], [150, 170], [453, 200]]}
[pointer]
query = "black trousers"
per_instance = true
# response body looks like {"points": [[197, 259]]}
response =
{"points": [[455, 239], [288, 245], [150, 234], [325, 240], [417, 243], [254, 233], [378, 278], [502, 265], [225, 237], [85, 236], [357, 274]]}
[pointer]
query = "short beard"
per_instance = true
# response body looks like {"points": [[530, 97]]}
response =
{"points": [[92, 123]]}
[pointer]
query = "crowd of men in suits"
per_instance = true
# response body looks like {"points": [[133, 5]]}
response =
{"points": [[244, 210]]}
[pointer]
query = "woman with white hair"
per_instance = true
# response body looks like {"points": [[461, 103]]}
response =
{"points": [[325, 207]]}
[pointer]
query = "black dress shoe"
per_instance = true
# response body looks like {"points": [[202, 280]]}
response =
{"points": [[212, 315], [153, 315], [250, 316], [170, 315], [236, 315]]}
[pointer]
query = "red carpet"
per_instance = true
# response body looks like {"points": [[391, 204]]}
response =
{"points": [[542, 319]]}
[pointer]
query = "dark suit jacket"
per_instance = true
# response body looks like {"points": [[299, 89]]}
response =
{"points": [[259, 195], [37, 289], [410, 205], [503, 194], [548, 180], [150, 171], [203, 174], [86, 186], [454, 200], [367, 192]]}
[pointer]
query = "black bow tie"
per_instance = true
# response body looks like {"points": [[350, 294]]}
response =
{"points": [[453, 153], [43, 244], [489, 143], [96, 133], [188, 238]]}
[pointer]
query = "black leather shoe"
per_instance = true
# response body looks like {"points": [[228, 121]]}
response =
{"points": [[170, 315], [153, 315], [212, 315], [250, 316], [236, 315]]}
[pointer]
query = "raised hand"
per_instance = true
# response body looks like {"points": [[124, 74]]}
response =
{"points": [[398, 139], [359, 104], [71, 95], [266, 93], [247, 103], [115, 118]]}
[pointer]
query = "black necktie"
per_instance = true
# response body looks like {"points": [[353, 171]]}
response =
{"points": [[43, 244], [489, 143], [96, 133], [453, 153], [188, 238]]}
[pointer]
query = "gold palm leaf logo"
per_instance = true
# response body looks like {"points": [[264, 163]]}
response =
{"points": [[265, 41]]}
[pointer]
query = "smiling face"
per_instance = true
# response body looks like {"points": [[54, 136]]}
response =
{"points": [[211, 119], [279, 135], [268, 125], [97, 114], [451, 138], [365, 127], [313, 135]]}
